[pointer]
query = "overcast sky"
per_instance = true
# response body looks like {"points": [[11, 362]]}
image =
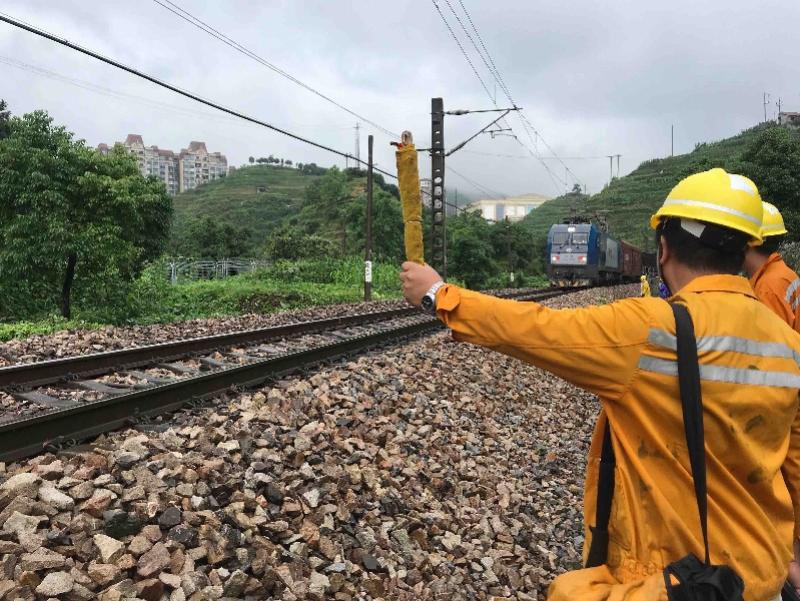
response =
{"points": [[593, 78]]}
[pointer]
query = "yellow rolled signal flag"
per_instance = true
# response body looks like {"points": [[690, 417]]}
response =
{"points": [[410, 198]]}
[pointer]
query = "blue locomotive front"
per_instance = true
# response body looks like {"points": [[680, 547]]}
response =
{"points": [[581, 254]]}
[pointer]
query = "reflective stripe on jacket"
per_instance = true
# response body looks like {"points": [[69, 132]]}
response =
{"points": [[625, 353], [778, 287]]}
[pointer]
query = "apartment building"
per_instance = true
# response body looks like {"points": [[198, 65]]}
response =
{"points": [[183, 171], [197, 166]]}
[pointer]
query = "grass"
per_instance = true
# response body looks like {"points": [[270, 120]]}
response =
{"points": [[24, 329]]}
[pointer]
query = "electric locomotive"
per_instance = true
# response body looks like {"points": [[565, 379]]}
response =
{"points": [[583, 254]]}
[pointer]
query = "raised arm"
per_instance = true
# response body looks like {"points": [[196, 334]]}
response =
{"points": [[596, 348]]}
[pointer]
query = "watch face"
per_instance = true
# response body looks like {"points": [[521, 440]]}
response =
{"points": [[427, 303]]}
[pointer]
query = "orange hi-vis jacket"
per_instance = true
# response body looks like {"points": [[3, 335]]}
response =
{"points": [[778, 287], [625, 353]]}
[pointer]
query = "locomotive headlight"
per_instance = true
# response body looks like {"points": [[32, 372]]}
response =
{"points": [[554, 258], [582, 259]]}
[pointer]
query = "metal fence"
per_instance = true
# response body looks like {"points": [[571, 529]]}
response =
{"points": [[182, 270]]}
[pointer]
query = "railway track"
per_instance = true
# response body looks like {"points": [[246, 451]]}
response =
{"points": [[64, 401]]}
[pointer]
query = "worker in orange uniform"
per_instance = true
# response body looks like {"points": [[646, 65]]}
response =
{"points": [[774, 282], [625, 352]]}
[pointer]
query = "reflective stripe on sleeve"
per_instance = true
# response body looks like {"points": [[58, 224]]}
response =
{"points": [[734, 344], [716, 373], [713, 207], [790, 291]]}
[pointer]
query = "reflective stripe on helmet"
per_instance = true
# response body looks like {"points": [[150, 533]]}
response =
{"points": [[717, 373], [712, 207]]}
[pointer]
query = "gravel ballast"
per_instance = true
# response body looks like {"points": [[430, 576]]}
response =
{"points": [[430, 470]]}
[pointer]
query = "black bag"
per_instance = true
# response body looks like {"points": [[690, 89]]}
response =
{"points": [[698, 581]]}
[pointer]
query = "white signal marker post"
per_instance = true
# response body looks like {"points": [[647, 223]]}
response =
{"points": [[368, 251]]}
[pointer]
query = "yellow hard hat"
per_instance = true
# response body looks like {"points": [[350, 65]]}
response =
{"points": [[718, 197], [772, 224]]}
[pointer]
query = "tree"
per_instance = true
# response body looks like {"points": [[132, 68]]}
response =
{"points": [[74, 224], [300, 166], [290, 243], [772, 161], [513, 247], [281, 162], [252, 160], [325, 206], [262, 160], [5, 116], [288, 163], [387, 225], [209, 238], [470, 250]]}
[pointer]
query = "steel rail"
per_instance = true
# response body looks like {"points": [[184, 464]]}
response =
{"points": [[47, 372], [27, 436]]}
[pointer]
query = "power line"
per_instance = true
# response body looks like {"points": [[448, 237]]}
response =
{"points": [[177, 90], [91, 87], [476, 185], [480, 54], [495, 72], [489, 56], [112, 93], [196, 22], [553, 178], [544, 158], [464, 52]]}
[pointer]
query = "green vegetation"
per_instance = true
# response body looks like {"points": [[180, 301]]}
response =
{"points": [[252, 201], [285, 285], [629, 201], [83, 236], [74, 224]]}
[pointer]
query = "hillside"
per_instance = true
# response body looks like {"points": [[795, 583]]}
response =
{"points": [[630, 200], [237, 200]]}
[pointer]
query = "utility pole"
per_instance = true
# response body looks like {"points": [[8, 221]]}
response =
{"points": [[358, 145], [766, 102], [438, 232], [368, 252], [438, 245], [779, 110], [618, 157], [610, 168], [508, 253], [672, 140]]}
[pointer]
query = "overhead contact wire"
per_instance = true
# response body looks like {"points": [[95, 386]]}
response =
{"points": [[203, 26]]}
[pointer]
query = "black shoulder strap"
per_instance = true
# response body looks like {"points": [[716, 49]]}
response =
{"points": [[598, 551], [691, 399]]}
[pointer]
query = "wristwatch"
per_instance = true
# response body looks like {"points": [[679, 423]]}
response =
{"points": [[428, 302]]}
